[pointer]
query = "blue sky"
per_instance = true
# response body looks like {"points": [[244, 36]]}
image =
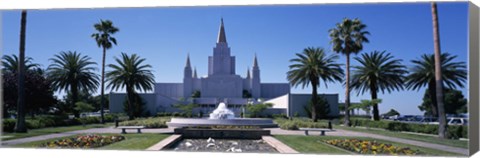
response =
{"points": [[164, 36]]}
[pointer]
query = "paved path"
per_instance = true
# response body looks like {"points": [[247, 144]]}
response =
{"points": [[274, 131], [87, 131]]}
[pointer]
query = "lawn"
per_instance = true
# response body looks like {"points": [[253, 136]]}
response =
{"points": [[137, 141], [315, 144], [51, 130], [423, 138], [308, 144], [131, 142]]}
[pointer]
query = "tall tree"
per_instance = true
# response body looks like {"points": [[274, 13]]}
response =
{"points": [[347, 38], [104, 39], [311, 66], [455, 102], [70, 71], [442, 120], [378, 72], [38, 91], [20, 126], [130, 73], [454, 74], [10, 63]]}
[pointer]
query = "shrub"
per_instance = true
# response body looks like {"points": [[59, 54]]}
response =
{"points": [[398, 126], [8, 125], [160, 114], [256, 109], [296, 123], [282, 115], [151, 122], [43, 121], [453, 131], [175, 114], [289, 126]]}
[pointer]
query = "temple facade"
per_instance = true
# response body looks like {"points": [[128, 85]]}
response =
{"points": [[221, 84]]}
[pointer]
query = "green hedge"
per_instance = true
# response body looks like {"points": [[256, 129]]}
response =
{"points": [[296, 123], [151, 122], [453, 131], [8, 125], [54, 121]]}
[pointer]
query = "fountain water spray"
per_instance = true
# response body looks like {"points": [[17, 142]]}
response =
{"points": [[222, 112]]}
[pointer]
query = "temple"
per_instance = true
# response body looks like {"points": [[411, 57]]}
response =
{"points": [[222, 84]]}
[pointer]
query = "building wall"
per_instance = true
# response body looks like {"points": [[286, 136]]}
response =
{"points": [[174, 90], [298, 101], [274, 90], [222, 86], [279, 102]]}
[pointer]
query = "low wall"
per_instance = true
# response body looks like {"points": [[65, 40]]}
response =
{"points": [[222, 133]]}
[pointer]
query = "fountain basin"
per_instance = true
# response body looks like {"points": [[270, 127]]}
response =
{"points": [[221, 133], [204, 122], [224, 145]]}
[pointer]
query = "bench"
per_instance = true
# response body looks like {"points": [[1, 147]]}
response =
{"points": [[322, 130], [131, 127]]}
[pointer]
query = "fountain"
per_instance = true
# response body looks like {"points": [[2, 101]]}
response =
{"points": [[221, 116], [222, 112], [204, 134]]}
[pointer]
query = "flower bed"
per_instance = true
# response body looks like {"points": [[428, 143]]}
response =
{"points": [[371, 147], [84, 141]]}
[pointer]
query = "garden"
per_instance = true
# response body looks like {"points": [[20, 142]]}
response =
{"points": [[99, 141], [83, 141], [355, 145]]}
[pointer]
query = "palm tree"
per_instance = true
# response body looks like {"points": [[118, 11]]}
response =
{"points": [[70, 71], [347, 38], [104, 39], [130, 73], [442, 122], [20, 126], [10, 64], [379, 71], [423, 74], [311, 66]]}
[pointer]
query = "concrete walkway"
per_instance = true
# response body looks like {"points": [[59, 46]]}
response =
{"points": [[274, 131], [87, 131]]}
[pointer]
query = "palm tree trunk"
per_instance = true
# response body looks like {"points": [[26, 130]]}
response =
{"points": [[373, 91], [433, 98], [314, 101], [74, 89], [20, 126], [102, 100], [438, 74], [346, 122], [130, 102]]}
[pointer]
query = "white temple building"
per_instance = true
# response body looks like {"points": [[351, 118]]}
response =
{"points": [[223, 84]]}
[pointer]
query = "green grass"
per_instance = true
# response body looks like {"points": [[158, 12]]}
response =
{"points": [[423, 138], [137, 142], [51, 130], [314, 144], [131, 142], [305, 144]]}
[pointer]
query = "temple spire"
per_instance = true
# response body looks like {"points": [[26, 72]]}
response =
{"points": [[248, 72], [188, 61], [221, 34], [255, 62], [195, 72]]}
